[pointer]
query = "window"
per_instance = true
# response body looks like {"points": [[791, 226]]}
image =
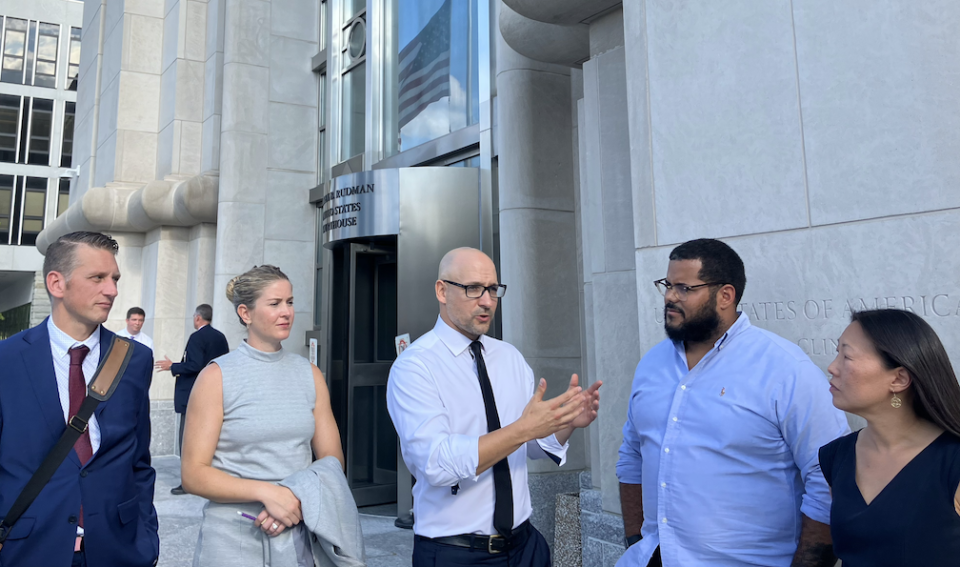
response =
{"points": [[66, 150], [9, 125], [14, 51], [6, 206], [73, 68], [63, 196], [353, 63], [41, 123], [322, 137], [48, 43], [431, 71], [34, 204]]}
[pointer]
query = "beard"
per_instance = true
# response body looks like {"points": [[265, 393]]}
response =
{"points": [[697, 327]]}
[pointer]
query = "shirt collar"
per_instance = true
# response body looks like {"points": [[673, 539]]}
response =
{"points": [[456, 341], [739, 326], [61, 342]]}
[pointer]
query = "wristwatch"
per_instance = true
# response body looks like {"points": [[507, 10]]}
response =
{"points": [[630, 540]]}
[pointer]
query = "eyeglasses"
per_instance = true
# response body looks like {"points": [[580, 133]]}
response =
{"points": [[476, 291], [663, 286]]}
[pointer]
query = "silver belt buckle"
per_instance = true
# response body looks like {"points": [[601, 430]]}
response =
{"points": [[490, 548]]}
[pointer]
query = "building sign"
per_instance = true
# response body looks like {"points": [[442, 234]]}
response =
{"points": [[361, 204]]}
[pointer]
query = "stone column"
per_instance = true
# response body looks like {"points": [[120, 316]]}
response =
{"points": [[538, 253]]}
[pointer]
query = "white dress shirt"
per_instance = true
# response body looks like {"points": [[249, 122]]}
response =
{"points": [[140, 337], [60, 344], [437, 408]]}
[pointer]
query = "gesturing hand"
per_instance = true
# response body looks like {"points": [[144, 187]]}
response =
{"points": [[543, 418], [589, 401], [164, 364]]}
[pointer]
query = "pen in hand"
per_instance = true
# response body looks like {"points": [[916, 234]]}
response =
{"points": [[247, 516]]}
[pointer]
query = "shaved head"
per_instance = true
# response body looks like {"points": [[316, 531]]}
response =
{"points": [[466, 267], [456, 261]]}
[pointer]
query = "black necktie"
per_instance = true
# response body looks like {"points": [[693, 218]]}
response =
{"points": [[502, 485]]}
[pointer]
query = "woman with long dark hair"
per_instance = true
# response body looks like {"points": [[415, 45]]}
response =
{"points": [[896, 482]]}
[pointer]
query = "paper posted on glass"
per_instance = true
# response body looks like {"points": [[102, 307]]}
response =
{"points": [[402, 341], [313, 352]]}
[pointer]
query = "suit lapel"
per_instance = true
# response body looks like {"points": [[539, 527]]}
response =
{"points": [[38, 359]]}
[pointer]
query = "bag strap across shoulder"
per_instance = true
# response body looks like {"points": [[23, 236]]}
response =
{"points": [[104, 383]]}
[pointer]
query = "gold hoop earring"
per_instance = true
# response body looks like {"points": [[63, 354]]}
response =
{"points": [[896, 401]]}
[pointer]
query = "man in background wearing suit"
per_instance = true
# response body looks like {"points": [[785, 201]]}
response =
{"points": [[97, 509], [204, 345]]}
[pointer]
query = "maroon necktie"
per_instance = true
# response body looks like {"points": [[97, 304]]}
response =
{"points": [[78, 391]]}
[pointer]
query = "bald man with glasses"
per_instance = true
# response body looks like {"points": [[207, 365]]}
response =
{"points": [[462, 407]]}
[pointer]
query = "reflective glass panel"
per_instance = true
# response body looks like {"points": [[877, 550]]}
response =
{"points": [[14, 50], [354, 115], [63, 197], [73, 68], [9, 119], [351, 8], [66, 149], [33, 206], [47, 44], [431, 78], [40, 126]]}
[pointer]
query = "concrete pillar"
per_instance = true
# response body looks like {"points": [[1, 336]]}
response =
{"points": [[538, 254]]}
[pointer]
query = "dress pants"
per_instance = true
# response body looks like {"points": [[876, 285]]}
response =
{"points": [[533, 552], [183, 420], [655, 559]]}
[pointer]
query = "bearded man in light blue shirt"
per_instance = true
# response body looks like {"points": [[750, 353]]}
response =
{"points": [[719, 463]]}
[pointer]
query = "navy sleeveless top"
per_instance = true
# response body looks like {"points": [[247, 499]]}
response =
{"points": [[912, 521]]}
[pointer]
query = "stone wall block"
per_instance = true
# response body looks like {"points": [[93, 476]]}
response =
{"points": [[240, 239], [291, 78], [168, 149], [168, 96], [171, 36], [247, 32], [195, 37], [567, 546], [213, 85], [287, 218], [245, 100], [109, 99], [293, 137], [243, 167], [532, 321], [617, 353], [138, 103], [556, 371], [297, 261], [106, 163], [538, 123], [142, 44], [190, 86], [725, 99], [296, 19], [191, 148], [136, 157], [210, 159], [881, 118]]}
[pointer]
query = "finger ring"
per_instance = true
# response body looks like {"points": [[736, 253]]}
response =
{"points": [[275, 525]]}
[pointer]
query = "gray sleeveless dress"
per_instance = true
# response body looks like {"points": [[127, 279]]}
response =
{"points": [[268, 401]]}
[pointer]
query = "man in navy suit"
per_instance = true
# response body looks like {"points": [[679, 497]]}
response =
{"points": [[98, 507], [204, 345]]}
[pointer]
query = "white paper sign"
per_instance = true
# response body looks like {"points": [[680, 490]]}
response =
{"points": [[313, 351], [402, 342]]}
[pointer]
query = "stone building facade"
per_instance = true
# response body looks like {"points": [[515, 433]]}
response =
{"points": [[814, 137]]}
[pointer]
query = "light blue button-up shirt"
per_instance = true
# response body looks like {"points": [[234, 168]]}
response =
{"points": [[727, 452]]}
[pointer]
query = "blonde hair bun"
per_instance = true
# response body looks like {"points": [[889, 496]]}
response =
{"points": [[230, 288]]}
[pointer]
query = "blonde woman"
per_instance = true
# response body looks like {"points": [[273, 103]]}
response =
{"points": [[256, 416]]}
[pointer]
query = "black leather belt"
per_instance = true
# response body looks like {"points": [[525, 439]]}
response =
{"points": [[490, 544]]}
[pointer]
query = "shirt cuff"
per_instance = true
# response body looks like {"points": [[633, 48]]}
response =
{"points": [[629, 473], [815, 510], [460, 456], [552, 448]]}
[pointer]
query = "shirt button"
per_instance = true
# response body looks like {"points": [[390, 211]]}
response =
{"points": [[664, 520], [72, 519], [683, 387], [667, 450], [83, 474], [663, 485], [674, 419]]}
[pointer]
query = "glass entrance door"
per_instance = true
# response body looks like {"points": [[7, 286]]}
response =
{"points": [[365, 324]]}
